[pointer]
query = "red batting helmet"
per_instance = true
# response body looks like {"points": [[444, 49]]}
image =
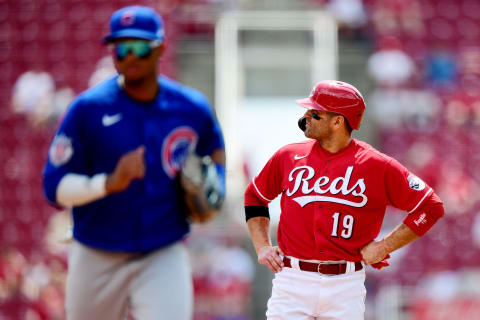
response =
{"points": [[338, 97]]}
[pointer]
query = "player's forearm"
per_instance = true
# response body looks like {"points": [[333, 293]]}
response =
{"points": [[414, 225], [259, 228], [218, 156], [399, 237], [376, 251]]}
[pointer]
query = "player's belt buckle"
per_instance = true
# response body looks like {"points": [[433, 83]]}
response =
{"points": [[319, 268]]}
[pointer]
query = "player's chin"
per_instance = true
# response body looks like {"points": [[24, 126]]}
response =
{"points": [[132, 74], [307, 132], [133, 78]]}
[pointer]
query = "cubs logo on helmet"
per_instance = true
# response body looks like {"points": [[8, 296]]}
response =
{"points": [[128, 18]]}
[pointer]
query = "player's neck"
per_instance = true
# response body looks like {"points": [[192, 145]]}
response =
{"points": [[335, 143], [143, 90]]}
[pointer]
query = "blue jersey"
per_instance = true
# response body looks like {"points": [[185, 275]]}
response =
{"points": [[101, 125]]}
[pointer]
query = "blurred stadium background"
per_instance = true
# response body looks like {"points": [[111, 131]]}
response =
{"points": [[416, 61]]}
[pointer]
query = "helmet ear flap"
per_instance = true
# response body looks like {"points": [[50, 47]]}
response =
{"points": [[302, 123]]}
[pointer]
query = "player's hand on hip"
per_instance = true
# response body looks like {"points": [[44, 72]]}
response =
{"points": [[129, 167], [271, 257], [374, 252]]}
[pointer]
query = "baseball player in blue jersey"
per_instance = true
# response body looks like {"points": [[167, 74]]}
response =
{"points": [[114, 161]]}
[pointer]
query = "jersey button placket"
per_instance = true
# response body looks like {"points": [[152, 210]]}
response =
{"points": [[325, 172]]}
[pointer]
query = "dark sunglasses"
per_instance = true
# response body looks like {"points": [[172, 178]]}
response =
{"points": [[139, 48], [315, 116]]}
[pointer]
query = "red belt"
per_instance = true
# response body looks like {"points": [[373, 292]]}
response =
{"points": [[334, 268]]}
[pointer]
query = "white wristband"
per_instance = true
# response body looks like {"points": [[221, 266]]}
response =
{"points": [[77, 190]]}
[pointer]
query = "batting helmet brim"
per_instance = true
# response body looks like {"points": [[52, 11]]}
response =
{"points": [[307, 103], [133, 33]]}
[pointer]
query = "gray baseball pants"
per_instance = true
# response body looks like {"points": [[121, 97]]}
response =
{"points": [[103, 285]]}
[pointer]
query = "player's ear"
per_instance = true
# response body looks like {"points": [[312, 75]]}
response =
{"points": [[161, 48], [338, 121]]}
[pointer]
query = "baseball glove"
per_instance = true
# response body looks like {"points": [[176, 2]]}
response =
{"points": [[202, 184]]}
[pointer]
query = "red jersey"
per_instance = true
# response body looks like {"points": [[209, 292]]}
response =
{"points": [[333, 204]]}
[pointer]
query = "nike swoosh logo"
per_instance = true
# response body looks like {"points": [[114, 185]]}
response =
{"points": [[109, 120], [297, 157]]}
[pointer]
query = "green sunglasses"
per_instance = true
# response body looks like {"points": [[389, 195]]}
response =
{"points": [[139, 48]]}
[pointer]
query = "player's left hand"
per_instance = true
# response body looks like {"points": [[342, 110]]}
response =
{"points": [[374, 252], [381, 264], [202, 184], [204, 216]]}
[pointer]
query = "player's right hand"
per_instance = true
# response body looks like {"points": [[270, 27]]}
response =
{"points": [[271, 256], [129, 167]]}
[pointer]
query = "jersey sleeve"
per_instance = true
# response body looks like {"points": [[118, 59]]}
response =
{"points": [[267, 185], [211, 137], [426, 215], [405, 191], [65, 154]]}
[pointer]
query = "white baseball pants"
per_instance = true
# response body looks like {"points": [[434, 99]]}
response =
{"points": [[303, 295], [103, 285]]}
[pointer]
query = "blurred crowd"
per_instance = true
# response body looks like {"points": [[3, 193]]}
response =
{"points": [[425, 105], [426, 72], [31, 289]]}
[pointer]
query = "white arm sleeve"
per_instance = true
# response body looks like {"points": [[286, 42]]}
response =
{"points": [[77, 189]]}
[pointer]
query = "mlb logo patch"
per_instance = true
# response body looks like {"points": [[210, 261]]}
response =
{"points": [[415, 182], [61, 150]]}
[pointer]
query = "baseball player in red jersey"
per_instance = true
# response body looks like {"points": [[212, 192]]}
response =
{"points": [[334, 192]]}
